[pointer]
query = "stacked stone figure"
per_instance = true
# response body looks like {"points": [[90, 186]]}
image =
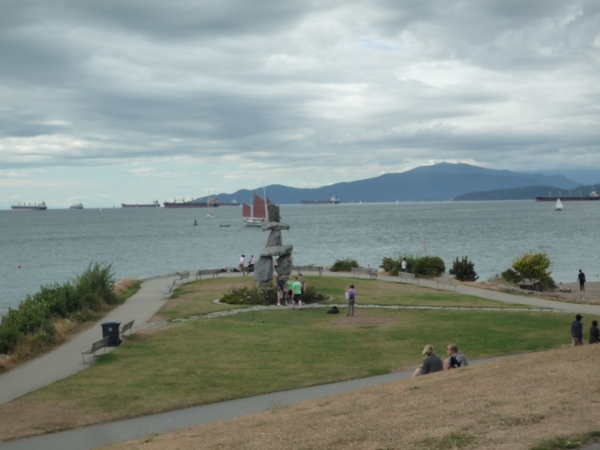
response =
{"points": [[263, 269]]}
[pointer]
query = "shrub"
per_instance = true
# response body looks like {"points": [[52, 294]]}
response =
{"points": [[464, 270], [393, 266], [343, 265], [533, 266], [264, 295], [429, 266], [35, 316]]}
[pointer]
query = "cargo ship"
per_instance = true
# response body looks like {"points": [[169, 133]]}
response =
{"points": [[233, 202], [593, 195], [198, 203], [332, 201], [76, 206], [30, 207], [154, 204]]}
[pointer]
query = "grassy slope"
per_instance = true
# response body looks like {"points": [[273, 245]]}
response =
{"points": [[206, 361]]}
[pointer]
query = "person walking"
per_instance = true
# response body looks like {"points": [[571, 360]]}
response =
{"points": [[351, 297], [404, 264], [581, 278], [577, 331], [241, 265]]}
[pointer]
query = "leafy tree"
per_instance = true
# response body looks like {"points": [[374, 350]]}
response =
{"points": [[534, 266]]}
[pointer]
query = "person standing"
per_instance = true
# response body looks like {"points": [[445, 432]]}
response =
{"points": [[581, 278], [303, 281], [432, 363], [241, 265], [404, 264], [252, 261], [290, 289], [297, 288], [577, 331], [594, 333], [351, 296], [280, 289]]}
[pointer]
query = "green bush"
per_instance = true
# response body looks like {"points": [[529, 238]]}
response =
{"points": [[464, 270], [265, 295], [533, 266], [394, 266], [343, 265], [428, 266], [36, 313]]}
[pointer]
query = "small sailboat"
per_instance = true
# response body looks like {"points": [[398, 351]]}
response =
{"points": [[101, 215], [256, 214], [559, 205]]}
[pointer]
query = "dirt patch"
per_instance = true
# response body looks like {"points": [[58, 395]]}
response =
{"points": [[124, 285], [23, 419]]}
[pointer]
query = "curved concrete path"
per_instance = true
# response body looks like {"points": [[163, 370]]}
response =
{"points": [[66, 360]]}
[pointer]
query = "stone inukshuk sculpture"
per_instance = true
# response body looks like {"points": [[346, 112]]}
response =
{"points": [[263, 269]]}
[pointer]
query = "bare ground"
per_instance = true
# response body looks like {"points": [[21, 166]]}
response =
{"points": [[512, 404]]}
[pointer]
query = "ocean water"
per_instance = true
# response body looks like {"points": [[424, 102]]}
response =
{"points": [[43, 247]]}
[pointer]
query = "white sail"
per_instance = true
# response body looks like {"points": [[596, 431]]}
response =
{"points": [[559, 205]]}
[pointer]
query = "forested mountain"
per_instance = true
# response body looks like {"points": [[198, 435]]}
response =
{"points": [[443, 181]]}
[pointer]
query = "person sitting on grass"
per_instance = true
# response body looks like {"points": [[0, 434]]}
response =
{"points": [[432, 363], [455, 359]]}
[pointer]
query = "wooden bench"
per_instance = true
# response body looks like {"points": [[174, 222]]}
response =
{"points": [[445, 283], [205, 272], [127, 327], [183, 276], [102, 343], [406, 277], [301, 269], [356, 271]]}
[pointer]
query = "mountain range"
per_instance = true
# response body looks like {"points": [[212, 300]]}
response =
{"points": [[439, 182]]}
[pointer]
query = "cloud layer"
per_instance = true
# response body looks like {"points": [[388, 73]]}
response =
{"points": [[137, 99]]}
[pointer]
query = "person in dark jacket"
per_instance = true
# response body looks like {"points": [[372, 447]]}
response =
{"points": [[577, 331], [581, 278], [594, 333], [432, 363]]}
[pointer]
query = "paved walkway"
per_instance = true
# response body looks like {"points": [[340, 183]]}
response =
{"points": [[66, 360]]}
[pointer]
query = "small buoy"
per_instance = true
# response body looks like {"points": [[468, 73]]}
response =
{"points": [[195, 222], [19, 267]]}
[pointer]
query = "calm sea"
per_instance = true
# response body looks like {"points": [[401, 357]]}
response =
{"points": [[43, 247]]}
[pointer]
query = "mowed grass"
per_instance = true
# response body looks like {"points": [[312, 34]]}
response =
{"points": [[206, 361], [211, 360], [198, 297]]}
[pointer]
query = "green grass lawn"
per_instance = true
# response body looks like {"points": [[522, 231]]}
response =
{"points": [[211, 360]]}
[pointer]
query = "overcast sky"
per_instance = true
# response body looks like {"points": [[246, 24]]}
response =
{"points": [[114, 101]]}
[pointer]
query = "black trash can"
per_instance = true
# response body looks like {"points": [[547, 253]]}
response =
{"points": [[111, 329]]}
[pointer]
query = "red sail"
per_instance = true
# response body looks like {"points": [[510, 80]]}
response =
{"points": [[260, 211], [246, 210]]}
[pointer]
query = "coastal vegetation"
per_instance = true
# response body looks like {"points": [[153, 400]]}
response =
{"points": [[264, 295], [531, 265], [241, 355], [420, 266], [343, 265], [463, 269], [44, 319]]}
